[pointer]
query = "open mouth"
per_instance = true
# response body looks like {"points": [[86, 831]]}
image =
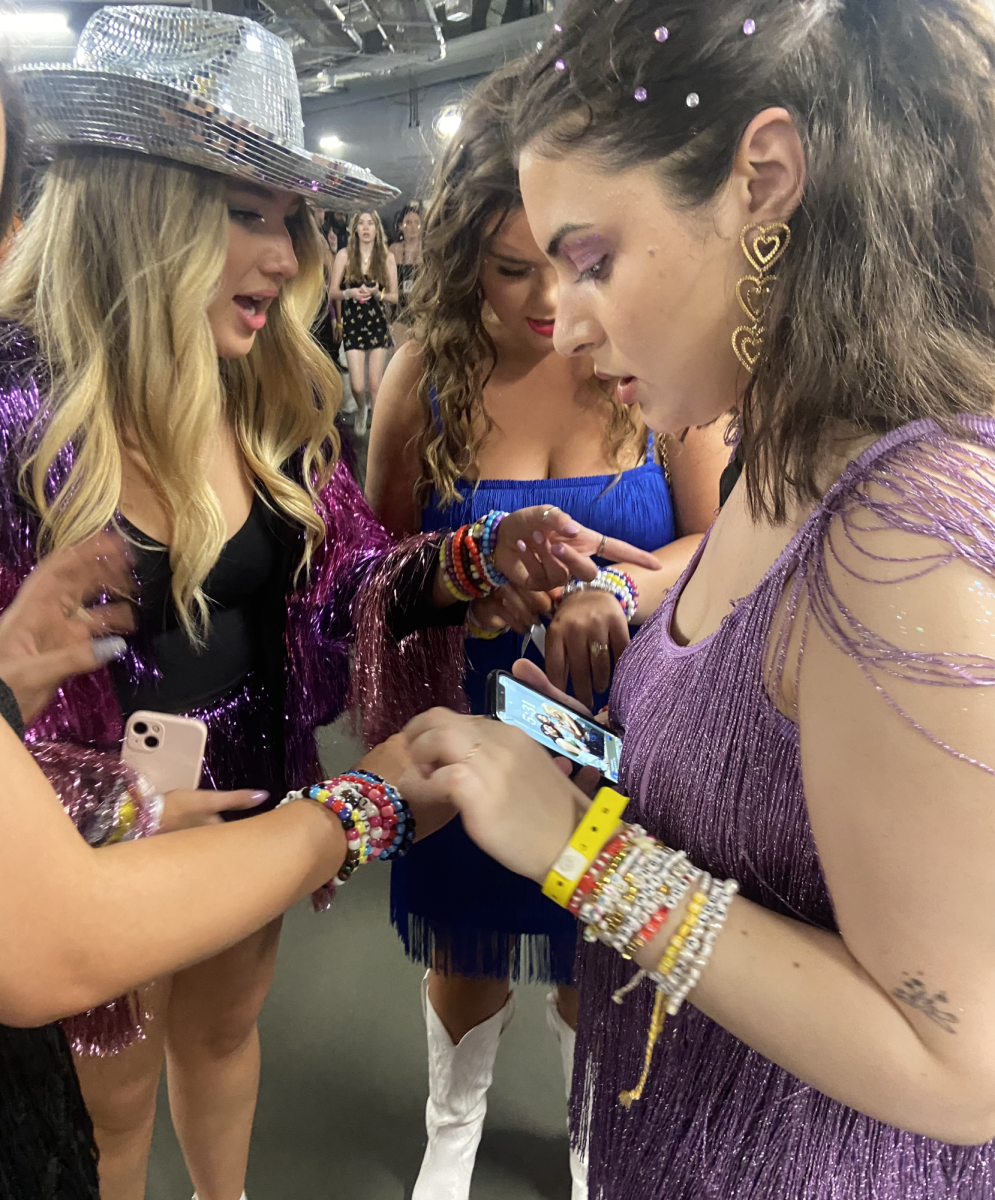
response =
{"points": [[253, 310], [543, 328], [625, 389]]}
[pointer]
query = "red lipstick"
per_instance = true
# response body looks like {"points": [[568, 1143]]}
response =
{"points": [[542, 328]]}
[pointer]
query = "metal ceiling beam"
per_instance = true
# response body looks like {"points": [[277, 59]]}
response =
{"points": [[474, 54]]}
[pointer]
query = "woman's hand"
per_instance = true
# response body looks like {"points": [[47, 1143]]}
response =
{"points": [[54, 628], [542, 548], [391, 760], [589, 627], [510, 607], [184, 808], [515, 803]]}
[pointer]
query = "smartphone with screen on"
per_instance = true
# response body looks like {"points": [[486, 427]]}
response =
{"points": [[168, 750], [557, 728]]}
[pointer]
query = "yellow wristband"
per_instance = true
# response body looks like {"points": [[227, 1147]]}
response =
{"points": [[589, 839]]}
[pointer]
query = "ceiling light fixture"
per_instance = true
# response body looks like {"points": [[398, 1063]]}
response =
{"points": [[448, 121], [30, 26]]}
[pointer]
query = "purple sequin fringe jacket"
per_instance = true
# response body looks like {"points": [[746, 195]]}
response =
{"points": [[354, 583]]}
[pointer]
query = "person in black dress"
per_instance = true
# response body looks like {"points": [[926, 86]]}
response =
{"points": [[364, 277]]}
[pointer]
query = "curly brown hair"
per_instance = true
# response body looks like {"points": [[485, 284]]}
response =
{"points": [[884, 308], [474, 191]]}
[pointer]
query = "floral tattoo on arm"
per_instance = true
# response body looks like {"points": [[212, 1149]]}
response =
{"points": [[914, 993]]}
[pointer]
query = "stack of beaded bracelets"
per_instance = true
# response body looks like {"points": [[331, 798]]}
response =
{"points": [[623, 885], [377, 821], [612, 580], [466, 559]]}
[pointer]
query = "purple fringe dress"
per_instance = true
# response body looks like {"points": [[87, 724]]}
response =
{"points": [[713, 768], [86, 721]]}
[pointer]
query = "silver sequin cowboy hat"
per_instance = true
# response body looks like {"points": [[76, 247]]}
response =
{"points": [[203, 88]]}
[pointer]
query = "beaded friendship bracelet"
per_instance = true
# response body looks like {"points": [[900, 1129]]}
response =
{"points": [[466, 559], [375, 816], [614, 581], [625, 896]]}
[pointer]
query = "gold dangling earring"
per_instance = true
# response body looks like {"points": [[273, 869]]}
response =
{"points": [[763, 246]]}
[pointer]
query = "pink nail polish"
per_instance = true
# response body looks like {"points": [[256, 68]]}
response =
{"points": [[521, 545], [259, 797], [572, 529], [538, 537], [559, 549]]}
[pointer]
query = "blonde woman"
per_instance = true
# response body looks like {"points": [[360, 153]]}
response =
{"points": [[364, 276]]}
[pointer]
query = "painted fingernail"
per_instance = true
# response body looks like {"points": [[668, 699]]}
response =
{"points": [[559, 549], [538, 537], [108, 649], [572, 529], [521, 545], [259, 797]]}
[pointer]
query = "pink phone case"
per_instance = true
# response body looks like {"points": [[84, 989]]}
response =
{"points": [[167, 750]]}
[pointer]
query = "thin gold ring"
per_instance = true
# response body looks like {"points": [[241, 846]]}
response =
{"points": [[546, 512], [476, 746], [601, 548], [599, 647]]}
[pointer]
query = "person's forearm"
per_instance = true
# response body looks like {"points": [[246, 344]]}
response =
{"points": [[654, 585], [797, 995], [390, 297], [128, 913]]}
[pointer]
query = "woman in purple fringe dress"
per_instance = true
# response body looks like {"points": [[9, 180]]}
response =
{"points": [[157, 374], [789, 204]]}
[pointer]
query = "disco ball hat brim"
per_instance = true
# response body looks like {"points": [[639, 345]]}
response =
{"points": [[202, 88]]}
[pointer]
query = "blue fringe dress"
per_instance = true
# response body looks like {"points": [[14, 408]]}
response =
{"points": [[448, 898]]}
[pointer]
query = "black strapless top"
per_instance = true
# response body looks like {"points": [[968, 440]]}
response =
{"points": [[237, 589]]}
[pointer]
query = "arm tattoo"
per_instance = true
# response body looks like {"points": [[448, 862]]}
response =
{"points": [[913, 993]]}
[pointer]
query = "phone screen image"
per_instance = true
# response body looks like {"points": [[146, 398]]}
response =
{"points": [[557, 728]]}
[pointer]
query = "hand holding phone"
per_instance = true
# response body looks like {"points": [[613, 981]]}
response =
{"points": [[168, 750], [553, 725]]}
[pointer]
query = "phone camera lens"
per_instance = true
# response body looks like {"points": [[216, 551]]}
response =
{"points": [[151, 742], [140, 727]]}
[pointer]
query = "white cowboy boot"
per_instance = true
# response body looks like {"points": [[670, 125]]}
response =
{"points": [[458, 1079], [568, 1039], [361, 420]]}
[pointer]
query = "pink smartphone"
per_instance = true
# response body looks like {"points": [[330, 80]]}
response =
{"points": [[167, 750]]}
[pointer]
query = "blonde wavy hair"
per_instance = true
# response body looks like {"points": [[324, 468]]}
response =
{"points": [[378, 258], [474, 191], [113, 273]]}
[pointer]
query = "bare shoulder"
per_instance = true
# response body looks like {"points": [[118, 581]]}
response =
{"points": [[399, 390], [393, 464]]}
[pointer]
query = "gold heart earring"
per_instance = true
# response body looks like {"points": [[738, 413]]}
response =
{"points": [[763, 246]]}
